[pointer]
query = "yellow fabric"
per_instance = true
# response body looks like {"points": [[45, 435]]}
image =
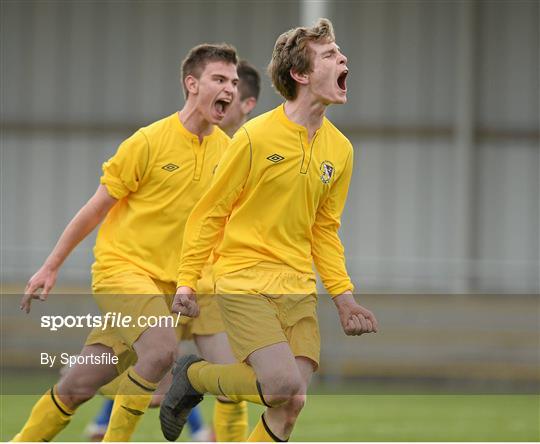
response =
{"points": [[46, 420], [136, 295], [284, 309], [111, 389], [259, 434], [230, 421], [130, 403], [237, 381], [209, 321], [283, 197], [158, 174]]}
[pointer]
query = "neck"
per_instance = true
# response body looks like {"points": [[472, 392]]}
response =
{"points": [[194, 121], [307, 112], [233, 127]]}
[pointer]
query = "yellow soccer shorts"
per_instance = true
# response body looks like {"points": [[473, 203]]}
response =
{"points": [[138, 296], [267, 304], [209, 320]]}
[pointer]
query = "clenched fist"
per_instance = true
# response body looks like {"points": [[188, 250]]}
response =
{"points": [[355, 319], [185, 302]]}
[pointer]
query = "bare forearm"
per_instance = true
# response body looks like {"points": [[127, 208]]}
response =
{"points": [[84, 222], [344, 299], [80, 226]]}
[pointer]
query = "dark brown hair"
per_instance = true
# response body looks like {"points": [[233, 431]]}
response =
{"points": [[292, 52], [200, 55], [250, 81]]}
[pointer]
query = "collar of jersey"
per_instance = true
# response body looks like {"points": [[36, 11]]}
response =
{"points": [[293, 125], [185, 132]]}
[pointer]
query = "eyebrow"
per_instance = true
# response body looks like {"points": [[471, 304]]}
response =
{"points": [[221, 76], [330, 51]]}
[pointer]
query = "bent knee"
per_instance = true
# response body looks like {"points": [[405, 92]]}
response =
{"points": [[296, 404], [157, 351], [160, 359], [292, 410], [281, 390]]}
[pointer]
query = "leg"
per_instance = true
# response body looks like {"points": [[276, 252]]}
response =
{"points": [[280, 420], [274, 379], [253, 324], [256, 336], [215, 348], [277, 373], [270, 380], [138, 296], [54, 410], [155, 348], [82, 381], [162, 388], [231, 422]]}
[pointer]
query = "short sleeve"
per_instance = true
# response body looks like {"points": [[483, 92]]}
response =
{"points": [[123, 172]]}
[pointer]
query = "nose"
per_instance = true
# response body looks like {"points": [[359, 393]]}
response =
{"points": [[342, 59], [230, 88]]}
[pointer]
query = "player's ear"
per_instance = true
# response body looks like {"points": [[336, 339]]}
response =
{"points": [[248, 105], [192, 84], [303, 79]]}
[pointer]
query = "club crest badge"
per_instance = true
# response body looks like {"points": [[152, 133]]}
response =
{"points": [[327, 171]]}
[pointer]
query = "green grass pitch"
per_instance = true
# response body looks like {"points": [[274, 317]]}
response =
{"points": [[351, 418]]}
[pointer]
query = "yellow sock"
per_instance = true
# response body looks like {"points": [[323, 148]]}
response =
{"points": [[111, 389], [230, 421], [48, 418], [261, 433], [237, 382], [130, 403]]}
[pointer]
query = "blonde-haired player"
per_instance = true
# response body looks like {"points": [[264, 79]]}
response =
{"points": [[278, 194]]}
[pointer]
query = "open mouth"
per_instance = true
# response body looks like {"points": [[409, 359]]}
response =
{"points": [[342, 80], [221, 106]]}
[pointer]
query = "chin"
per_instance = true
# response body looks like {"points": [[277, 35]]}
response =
{"points": [[339, 101], [214, 120]]}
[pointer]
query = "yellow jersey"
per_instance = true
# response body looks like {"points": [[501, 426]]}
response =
{"points": [[157, 175], [283, 198]]}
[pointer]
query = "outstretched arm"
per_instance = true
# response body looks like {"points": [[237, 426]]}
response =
{"points": [[84, 222]]}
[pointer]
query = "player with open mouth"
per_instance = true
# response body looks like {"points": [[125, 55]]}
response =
{"points": [[146, 193], [277, 197]]}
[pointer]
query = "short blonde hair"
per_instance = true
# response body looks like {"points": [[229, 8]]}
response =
{"points": [[292, 52]]}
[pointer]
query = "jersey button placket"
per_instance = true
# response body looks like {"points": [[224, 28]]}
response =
{"points": [[198, 150], [307, 149]]}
